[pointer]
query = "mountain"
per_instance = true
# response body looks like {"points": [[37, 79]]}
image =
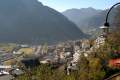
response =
{"points": [[77, 15], [88, 19], [29, 21]]}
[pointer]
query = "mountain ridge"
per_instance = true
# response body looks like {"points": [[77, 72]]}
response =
{"points": [[29, 21], [88, 19]]}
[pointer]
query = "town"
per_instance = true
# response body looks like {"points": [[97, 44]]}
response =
{"points": [[15, 56], [59, 40]]}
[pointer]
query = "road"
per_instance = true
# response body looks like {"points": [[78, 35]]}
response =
{"points": [[5, 77]]}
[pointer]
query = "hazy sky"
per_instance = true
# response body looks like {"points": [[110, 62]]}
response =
{"points": [[62, 5]]}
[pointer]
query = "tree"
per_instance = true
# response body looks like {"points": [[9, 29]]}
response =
{"points": [[90, 68], [114, 36]]}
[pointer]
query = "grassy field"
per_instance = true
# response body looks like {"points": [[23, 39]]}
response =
{"points": [[26, 50], [7, 47]]}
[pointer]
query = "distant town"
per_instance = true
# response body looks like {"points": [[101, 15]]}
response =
{"points": [[14, 56]]}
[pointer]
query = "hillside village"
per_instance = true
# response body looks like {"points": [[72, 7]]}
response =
{"points": [[41, 43], [57, 55]]}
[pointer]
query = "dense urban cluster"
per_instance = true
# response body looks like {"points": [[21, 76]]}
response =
{"points": [[71, 60]]}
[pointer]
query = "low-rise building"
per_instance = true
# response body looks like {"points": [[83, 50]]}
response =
{"points": [[85, 45], [114, 63]]}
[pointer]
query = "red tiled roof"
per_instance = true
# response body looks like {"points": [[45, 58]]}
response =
{"points": [[114, 62]]}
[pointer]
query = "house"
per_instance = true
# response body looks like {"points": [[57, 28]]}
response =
{"points": [[100, 41], [76, 57], [114, 63], [86, 45]]}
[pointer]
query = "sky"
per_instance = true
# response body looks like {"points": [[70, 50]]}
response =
{"points": [[62, 5]]}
